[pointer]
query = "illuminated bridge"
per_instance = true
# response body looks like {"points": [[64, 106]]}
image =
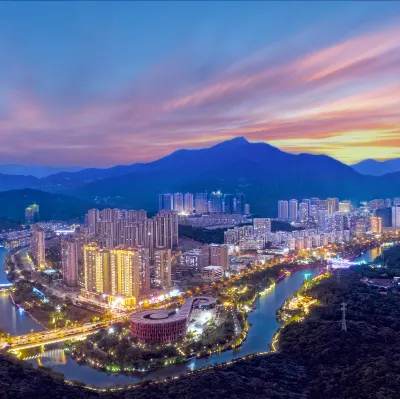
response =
{"points": [[339, 263], [33, 340]]}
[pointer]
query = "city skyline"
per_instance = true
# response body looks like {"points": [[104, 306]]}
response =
{"points": [[302, 78]]}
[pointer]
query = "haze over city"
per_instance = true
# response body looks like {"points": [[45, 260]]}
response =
{"points": [[105, 83]]}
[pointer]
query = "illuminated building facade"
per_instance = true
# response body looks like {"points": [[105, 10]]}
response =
{"points": [[162, 267], [201, 203], [69, 262], [261, 226], [217, 255], [376, 225], [293, 210], [396, 216], [178, 202], [96, 269], [37, 247], [31, 214], [344, 206], [168, 326], [303, 211], [189, 203], [165, 202], [118, 271], [283, 210]]}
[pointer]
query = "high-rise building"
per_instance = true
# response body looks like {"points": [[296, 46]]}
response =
{"points": [[283, 210], [314, 212], [165, 202], [323, 219], [338, 221], [162, 267], [396, 217], [229, 203], [314, 201], [216, 255], [293, 210], [189, 203], [136, 215], [97, 276], [166, 229], [303, 211], [323, 205], [376, 225], [215, 202], [333, 205], [31, 214], [178, 202], [345, 206], [361, 226], [130, 271], [396, 201], [386, 215], [201, 203], [308, 202], [240, 202], [120, 271], [262, 225], [69, 262], [93, 220], [37, 247], [247, 209]]}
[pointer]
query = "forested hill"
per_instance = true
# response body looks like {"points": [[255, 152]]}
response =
{"points": [[315, 359]]}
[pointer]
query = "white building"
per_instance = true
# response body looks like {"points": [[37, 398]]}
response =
{"points": [[396, 217], [293, 209]]}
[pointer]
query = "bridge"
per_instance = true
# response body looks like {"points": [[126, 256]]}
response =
{"points": [[339, 263], [33, 340]]}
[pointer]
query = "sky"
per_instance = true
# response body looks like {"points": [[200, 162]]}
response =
{"points": [[105, 83]]}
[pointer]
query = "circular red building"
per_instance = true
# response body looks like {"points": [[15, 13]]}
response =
{"points": [[166, 326]]}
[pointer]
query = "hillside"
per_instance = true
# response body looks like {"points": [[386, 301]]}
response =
{"points": [[52, 206], [264, 173], [314, 359], [377, 168], [36, 171]]}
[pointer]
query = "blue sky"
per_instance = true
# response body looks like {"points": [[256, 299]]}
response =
{"points": [[100, 83]]}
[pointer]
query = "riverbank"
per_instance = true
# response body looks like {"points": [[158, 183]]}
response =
{"points": [[263, 328], [315, 359]]}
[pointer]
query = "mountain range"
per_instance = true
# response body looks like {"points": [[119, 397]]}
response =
{"points": [[36, 171], [263, 172], [377, 168]]}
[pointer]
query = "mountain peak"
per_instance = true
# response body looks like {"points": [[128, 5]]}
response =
{"points": [[235, 141]]}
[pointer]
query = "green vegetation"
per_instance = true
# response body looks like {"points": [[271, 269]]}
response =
{"points": [[51, 311], [216, 236], [52, 206], [114, 351], [9, 225], [205, 236], [315, 359], [214, 336]]}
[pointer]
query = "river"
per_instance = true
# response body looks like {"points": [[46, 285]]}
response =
{"points": [[11, 319], [263, 320]]}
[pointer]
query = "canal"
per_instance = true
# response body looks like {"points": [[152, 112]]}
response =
{"points": [[262, 319]]}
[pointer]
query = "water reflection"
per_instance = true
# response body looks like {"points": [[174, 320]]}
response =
{"points": [[11, 320]]}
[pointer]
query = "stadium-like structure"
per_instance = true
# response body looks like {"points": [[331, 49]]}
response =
{"points": [[167, 326]]}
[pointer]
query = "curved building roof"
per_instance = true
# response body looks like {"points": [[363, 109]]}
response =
{"points": [[162, 316]]}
